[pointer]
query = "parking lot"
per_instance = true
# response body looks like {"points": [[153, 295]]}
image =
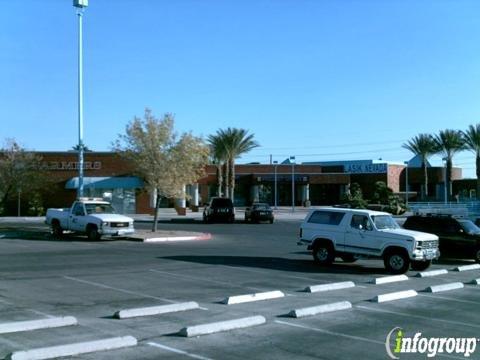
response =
{"points": [[42, 278]]}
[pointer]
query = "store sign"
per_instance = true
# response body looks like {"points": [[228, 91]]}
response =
{"points": [[71, 165], [366, 168]]}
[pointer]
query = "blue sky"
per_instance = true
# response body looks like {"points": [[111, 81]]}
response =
{"points": [[318, 79]]}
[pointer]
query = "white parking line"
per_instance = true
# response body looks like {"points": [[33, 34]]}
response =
{"points": [[28, 309], [118, 289], [195, 278], [177, 351], [351, 337], [448, 299], [366, 308]]}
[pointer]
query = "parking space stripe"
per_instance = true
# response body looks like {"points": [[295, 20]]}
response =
{"points": [[195, 278], [328, 332], [177, 351], [118, 289], [366, 308], [448, 299]]}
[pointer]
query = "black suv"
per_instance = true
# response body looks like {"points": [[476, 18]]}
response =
{"points": [[459, 237], [219, 209]]}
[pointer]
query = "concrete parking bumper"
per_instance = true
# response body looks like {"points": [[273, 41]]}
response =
{"points": [[155, 310], [216, 327], [30, 325]]}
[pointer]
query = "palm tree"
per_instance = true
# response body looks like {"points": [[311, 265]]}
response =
{"points": [[219, 157], [449, 142], [472, 143], [234, 142], [422, 145]]}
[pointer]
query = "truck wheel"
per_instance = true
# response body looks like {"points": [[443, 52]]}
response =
{"points": [[57, 230], [396, 262], [348, 258], [93, 234], [421, 265], [323, 253]]}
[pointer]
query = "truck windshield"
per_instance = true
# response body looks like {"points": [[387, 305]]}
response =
{"points": [[383, 222], [99, 209]]}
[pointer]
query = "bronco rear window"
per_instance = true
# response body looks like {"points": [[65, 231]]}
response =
{"points": [[326, 217]]}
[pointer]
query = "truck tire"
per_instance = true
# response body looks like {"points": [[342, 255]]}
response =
{"points": [[57, 230], [323, 253], [420, 265], [396, 261], [92, 233]]}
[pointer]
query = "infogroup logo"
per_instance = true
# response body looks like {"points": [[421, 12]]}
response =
{"points": [[397, 343]]}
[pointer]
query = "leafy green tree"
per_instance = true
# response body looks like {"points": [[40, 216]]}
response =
{"points": [[233, 143], [354, 197], [472, 142], [449, 142], [20, 173], [422, 145], [385, 196], [167, 162]]}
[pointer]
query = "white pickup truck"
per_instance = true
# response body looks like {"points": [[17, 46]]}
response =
{"points": [[355, 233], [89, 216]]}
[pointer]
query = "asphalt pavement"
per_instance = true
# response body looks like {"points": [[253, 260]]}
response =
{"points": [[44, 278]]}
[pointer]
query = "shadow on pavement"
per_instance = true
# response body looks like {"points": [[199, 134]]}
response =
{"points": [[275, 263]]}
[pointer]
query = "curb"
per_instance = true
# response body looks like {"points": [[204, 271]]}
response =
{"points": [[432, 273], [321, 309], [231, 300], [37, 324], [444, 287], [394, 296], [329, 287], [211, 328], [73, 349], [467, 267], [204, 236], [155, 310], [389, 279]]}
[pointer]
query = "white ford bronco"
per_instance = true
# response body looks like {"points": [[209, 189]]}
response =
{"points": [[93, 217], [356, 233]]}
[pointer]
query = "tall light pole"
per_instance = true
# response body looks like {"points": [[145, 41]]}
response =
{"points": [[292, 160], [275, 163], [406, 183], [80, 5]]}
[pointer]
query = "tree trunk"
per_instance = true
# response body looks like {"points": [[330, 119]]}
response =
{"points": [[155, 216], [232, 179], [219, 179], [227, 175], [449, 179], [425, 180], [477, 163]]}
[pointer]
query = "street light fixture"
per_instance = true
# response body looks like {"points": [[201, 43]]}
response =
{"points": [[275, 163], [80, 5], [292, 160], [406, 183]]}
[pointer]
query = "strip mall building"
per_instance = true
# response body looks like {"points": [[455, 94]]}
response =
{"points": [[109, 176]]}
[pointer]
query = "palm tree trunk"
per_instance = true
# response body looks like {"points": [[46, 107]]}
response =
{"points": [[477, 163], [425, 180], [449, 178], [232, 179], [227, 174], [219, 178]]}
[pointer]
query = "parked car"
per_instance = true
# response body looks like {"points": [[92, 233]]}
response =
{"points": [[219, 209], [459, 237], [354, 233], [259, 212], [90, 216]]}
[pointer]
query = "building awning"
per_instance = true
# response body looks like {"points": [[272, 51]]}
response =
{"points": [[126, 182]]}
